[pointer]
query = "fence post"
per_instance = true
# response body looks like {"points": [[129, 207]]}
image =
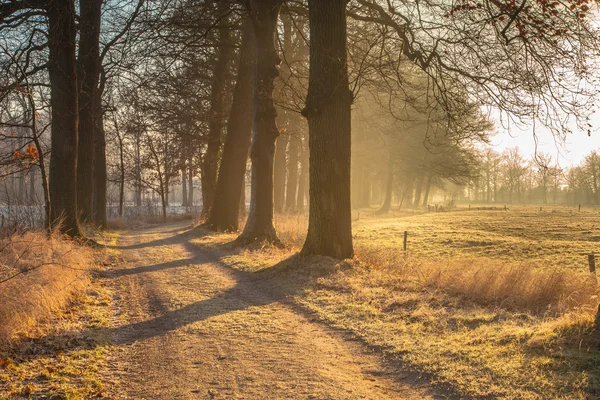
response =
{"points": [[405, 240], [592, 262]]}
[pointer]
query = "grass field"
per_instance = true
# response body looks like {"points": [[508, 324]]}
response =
{"points": [[556, 236], [488, 303]]}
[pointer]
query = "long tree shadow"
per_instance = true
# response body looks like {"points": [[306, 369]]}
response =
{"points": [[250, 290], [116, 273]]}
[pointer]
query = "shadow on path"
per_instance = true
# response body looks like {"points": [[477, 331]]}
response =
{"points": [[251, 289]]}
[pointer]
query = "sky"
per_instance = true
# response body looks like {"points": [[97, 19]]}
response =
{"points": [[572, 152], [577, 146]]}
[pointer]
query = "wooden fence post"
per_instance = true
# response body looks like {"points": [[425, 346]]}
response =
{"points": [[405, 240], [592, 262]]}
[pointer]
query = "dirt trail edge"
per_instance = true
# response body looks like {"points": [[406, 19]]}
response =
{"points": [[193, 328]]}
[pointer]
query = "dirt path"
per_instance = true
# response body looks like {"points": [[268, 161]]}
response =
{"points": [[193, 328]]}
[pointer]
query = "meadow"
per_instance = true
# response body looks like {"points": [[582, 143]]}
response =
{"points": [[487, 303]]}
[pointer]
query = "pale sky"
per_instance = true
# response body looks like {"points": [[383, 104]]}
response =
{"points": [[577, 146]]}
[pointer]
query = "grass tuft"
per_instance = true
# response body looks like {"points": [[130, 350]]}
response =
{"points": [[39, 276]]}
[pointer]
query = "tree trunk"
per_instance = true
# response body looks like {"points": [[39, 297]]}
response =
{"points": [[328, 111], [184, 186], [427, 190], [63, 84], [595, 182], [215, 124], [191, 182], [138, 173], [242, 212], [365, 196], [418, 191], [99, 169], [387, 202], [88, 69], [279, 173], [122, 177], [407, 195], [259, 225], [32, 198], [224, 215], [303, 182], [292, 176], [163, 202]]}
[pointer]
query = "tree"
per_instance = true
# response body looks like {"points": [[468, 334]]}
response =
{"points": [[259, 226], [215, 124], [88, 74], [592, 166], [329, 122], [63, 83], [224, 213]]}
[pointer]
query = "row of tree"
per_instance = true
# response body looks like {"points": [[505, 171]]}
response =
{"points": [[185, 88]]}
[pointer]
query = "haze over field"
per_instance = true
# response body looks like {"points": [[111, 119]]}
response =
{"points": [[299, 199]]}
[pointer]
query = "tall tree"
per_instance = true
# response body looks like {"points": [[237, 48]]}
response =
{"points": [[99, 165], [259, 226], [63, 83], [88, 71], [211, 157], [224, 213], [329, 122]]}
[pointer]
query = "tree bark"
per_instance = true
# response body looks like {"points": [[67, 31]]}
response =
{"points": [[88, 69], [215, 125], [303, 182], [259, 225], [387, 202], [122, 172], [243, 211], [279, 173], [191, 182], [138, 173], [99, 168], [427, 190], [224, 215], [63, 88], [292, 174], [184, 186], [328, 111]]}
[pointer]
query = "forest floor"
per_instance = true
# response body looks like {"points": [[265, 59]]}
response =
{"points": [[486, 304]]}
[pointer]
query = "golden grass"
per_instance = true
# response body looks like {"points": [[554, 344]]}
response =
{"points": [[48, 317], [505, 322], [40, 276]]}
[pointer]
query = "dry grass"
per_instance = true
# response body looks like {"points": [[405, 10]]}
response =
{"points": [[515, 286], [48, 321], [489, 304], [40, 276]]}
